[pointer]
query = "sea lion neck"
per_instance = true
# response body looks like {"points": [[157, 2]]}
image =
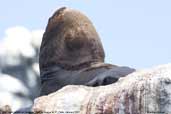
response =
{"points": [[70, 42]]}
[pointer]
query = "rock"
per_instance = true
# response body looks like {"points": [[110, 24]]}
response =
{"points": [[5, 110], [144, 91]]}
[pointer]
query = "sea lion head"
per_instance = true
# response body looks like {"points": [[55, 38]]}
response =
{"points": [[70, 41]]}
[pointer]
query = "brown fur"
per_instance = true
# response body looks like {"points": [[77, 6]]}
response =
{"points": [[70, 41]]}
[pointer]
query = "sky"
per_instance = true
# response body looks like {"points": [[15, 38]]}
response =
{"points": [[135, 33]]}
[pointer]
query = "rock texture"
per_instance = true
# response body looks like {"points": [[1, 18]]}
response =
{"points": [[5, 110], [142, 92]]}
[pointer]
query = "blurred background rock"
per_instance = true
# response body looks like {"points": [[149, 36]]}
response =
{"points": [[19, 69]]}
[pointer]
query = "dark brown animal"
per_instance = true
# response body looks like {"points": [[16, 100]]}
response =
{"points": [[72, 53]]}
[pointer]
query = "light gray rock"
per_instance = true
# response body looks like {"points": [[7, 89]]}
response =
{"points": [[5, 109], [144, 91]]}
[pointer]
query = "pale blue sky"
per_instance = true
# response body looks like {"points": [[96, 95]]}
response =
{"points": [[134, 33]]}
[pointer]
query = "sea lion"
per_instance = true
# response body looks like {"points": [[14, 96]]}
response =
{"points": [[71, 53]]}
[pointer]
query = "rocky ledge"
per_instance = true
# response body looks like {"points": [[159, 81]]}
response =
{"points": [[144, 91]]}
